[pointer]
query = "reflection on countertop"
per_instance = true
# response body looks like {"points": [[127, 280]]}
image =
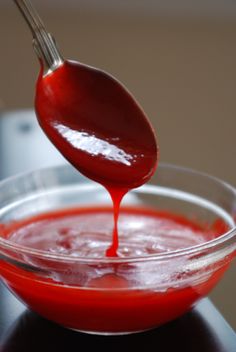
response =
{"points": [[203, 329]]}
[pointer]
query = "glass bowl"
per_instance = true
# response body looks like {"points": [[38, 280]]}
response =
{"points": [[166, 285]]}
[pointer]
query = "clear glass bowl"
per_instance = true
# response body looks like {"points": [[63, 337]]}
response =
{"points": [[166, 285]]}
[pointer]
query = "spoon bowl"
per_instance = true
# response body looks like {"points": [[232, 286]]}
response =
{"points": [[97, 125]]}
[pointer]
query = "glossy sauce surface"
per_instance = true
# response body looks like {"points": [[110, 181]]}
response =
{"points": [[97, 125], [87, 232]]}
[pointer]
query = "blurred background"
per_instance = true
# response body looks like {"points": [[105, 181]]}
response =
{"points": [[177, 57]]}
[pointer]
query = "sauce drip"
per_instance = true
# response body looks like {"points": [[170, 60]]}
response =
{"points": [[116, 196]]}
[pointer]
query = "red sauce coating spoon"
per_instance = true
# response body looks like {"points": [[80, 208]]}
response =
{"points": [[92, 119]]}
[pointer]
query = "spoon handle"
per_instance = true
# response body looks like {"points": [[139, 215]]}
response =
{"points": [[43, 42]]}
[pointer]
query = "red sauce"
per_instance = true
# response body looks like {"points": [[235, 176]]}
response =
{"points": [[99, 128], [108, 297], [97, 125]]}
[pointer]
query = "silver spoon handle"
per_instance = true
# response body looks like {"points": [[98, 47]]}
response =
{"points": [[43, 42]]}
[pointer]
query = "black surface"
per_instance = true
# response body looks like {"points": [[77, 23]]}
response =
{"points": [[201, 330]]}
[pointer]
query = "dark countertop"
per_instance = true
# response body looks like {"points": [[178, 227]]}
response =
{"points": [[202, 330]]}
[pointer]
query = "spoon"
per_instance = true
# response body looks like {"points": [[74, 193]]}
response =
{"points": [[89, 116], [92, 120]]}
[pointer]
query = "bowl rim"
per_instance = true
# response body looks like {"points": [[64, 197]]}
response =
{"points": [[216, 243]]}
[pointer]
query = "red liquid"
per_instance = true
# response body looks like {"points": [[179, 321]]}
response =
{"points": [[97, 125], [108, 297], [99, 128]]}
